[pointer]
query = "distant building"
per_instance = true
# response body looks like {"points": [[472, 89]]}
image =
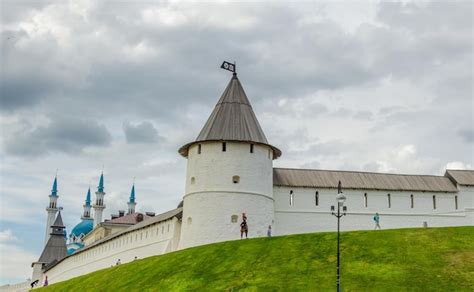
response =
{"points": [[230, 173]]}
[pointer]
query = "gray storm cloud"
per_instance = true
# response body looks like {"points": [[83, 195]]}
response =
{"points": [[144, 132], [60, 135]]}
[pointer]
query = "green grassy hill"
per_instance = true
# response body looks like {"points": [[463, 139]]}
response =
{"points": [[434, 259]]}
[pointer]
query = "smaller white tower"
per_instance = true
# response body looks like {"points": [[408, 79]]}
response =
{"points": [[52, 209], [99, 205], [131, 202]]}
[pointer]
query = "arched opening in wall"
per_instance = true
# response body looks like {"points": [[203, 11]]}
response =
{"points": [[234, 218], [199, 148], [291, 198], [224, 147], [455, 202], [434, 202], [365, 200], [190, 220], [193, 180], [412, 201], [236, 179], [389, 201], [251, 148], [316, 198]]}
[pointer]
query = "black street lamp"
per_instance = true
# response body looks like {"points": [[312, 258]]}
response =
{"points": [[340, 203]]}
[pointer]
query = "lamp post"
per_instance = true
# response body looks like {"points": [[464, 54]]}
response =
{"points": [[340, 203]]}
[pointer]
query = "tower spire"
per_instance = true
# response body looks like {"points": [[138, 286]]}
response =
{"points": [[52, 208], [87, 205], [131, 202], [99, 205], [54, 190], [100, 188]]}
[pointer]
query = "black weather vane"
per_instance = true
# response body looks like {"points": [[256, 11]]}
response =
{"points": [[229, 66]]}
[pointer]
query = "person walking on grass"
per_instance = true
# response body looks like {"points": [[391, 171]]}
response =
{"points": [[377, 221], [244, 228]]}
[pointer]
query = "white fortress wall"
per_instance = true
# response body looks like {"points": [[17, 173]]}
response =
{"points": [[19, 287], [151, 240], [305, 216], [212, 197]]}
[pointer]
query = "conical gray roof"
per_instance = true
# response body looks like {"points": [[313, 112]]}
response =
{"points": [[59, 221], [55, 248], [232, 119]]}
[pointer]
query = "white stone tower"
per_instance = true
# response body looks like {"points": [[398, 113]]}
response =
{"points": [[52, 209], [229, 172], [99, 205], [131, 202]]}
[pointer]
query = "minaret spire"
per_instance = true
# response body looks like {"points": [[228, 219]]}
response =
{"points": [[99, 205], [87, 205], [131, 202], [52, 208]]}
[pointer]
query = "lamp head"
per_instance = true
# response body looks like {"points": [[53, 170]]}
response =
{"points": [[341, 198]]}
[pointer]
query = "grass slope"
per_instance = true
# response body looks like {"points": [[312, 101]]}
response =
{"points": [[434, 259]]}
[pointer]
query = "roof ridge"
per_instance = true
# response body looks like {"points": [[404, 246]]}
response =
{"points": [[358, 171]]}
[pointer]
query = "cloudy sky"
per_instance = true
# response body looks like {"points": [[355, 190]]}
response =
{"points": [[87, 85]]}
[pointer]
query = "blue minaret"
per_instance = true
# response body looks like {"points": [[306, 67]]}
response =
{"points": [[52, 209], [87, 205], [131, 202], [99, 205]]}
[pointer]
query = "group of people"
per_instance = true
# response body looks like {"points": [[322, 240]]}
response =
{"points": [[244, 227]]}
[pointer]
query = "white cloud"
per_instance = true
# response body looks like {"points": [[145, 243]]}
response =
{"points": [[458, 165], [7, 235], [16, 262]]}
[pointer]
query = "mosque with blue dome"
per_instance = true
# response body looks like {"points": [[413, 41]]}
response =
{"points": [[75, 240]]}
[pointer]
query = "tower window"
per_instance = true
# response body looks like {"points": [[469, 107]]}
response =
{"points": [[269, 154], [291, 198], [316, 198], [224, 148], [236, 179], [412, 201], [193, 180], [389, 201], [456, 202], [234, 218], [365, 200], [434, 202], [251, 148], [199, 148]]}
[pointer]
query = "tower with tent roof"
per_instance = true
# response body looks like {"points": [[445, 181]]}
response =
{"points": [[54, 250], [229, 173]]}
